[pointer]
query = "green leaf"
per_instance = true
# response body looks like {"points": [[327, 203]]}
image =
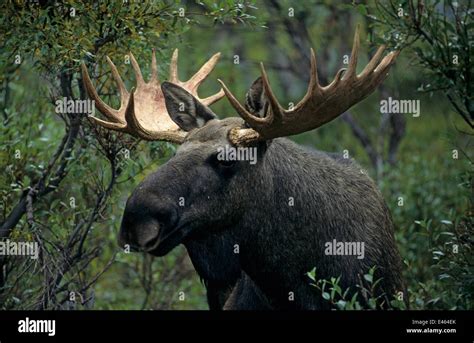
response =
{"points": [[341, 304], [312, 274], [368, 277]]}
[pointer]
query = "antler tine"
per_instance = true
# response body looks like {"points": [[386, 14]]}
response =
{"points": [[213, 98], [132, 122], [352, 69], [275, 113], [194, 82], [381, 71], [118, 80], [136, 69], [373, 62], [108, 124], [387, 61], [154, 68], [337, 79], [173, 77], [314, 88], [105, 109], [314, 79], [246, 115]]}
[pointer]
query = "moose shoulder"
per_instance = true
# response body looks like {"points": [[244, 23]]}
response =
{"points": [[254, 230]]}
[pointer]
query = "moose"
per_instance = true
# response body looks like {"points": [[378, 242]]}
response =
{"points": [[253, 231]]}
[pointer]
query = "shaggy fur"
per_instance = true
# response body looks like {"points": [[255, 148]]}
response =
{"points": [[253, 231], [248, 206]]}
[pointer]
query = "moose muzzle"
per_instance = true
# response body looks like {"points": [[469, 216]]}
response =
{"points": [[148, 228]]}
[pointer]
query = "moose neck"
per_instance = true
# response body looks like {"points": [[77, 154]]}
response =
{"points": [[285, 188]]}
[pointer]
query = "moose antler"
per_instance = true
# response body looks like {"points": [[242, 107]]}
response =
{"points": [[320, 104], [143, 111]]}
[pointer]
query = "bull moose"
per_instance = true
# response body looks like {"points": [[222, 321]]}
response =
{"points": [[253, 231]]}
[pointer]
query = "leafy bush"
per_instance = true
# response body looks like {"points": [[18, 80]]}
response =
{"points": [[365, 297]]}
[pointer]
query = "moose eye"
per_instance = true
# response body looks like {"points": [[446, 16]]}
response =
{"points": [[226, 163], [221, 162]]}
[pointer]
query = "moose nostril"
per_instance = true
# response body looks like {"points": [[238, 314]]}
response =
{"points": [[151, 243], [144, 223], [167, 216]]}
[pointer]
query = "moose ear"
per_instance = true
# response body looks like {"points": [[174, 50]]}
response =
{"points": [[184, 109], [255, 100]]}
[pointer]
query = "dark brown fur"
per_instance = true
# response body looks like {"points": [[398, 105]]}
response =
{"points": [[248, 207]]}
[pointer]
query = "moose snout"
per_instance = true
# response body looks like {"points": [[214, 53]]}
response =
{"points": [[140, 235], [144, 226]]}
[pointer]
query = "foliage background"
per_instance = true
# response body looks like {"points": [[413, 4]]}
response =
{"points": [[72, 180]]}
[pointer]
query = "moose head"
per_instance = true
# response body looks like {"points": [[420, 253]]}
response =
{"points": [[197, 194]]}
